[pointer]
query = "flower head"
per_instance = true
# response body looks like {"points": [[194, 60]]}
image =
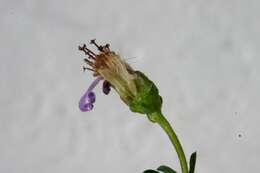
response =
{"points": [[134, 88]]}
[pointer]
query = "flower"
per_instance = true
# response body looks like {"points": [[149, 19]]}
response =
{"points": [[133, 87], [87, 100]]}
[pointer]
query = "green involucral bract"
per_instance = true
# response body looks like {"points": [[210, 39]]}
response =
{"points": [[147, 100]]}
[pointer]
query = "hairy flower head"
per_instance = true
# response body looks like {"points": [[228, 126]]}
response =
{"points": [[134, 88]]}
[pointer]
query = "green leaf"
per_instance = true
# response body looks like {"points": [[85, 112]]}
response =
{"points": [[166, 169], [150, 171], [192, 162]]}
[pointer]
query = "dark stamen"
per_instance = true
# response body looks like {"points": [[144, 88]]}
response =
{"points": [[90, 51], [89, 62], [106, 87], [90, 69], [86, 68], [100, 48], [107, 46], [87, 51]]}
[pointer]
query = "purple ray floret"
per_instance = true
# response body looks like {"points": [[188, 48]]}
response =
{"points": [[87, 100]]}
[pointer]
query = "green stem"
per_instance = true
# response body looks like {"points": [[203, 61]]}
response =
{"points": [[162, 121]]}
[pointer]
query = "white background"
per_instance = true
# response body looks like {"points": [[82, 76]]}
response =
{"points": [[202, 54]]}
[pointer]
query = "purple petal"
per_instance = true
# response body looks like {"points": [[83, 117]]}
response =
{"points": [[86, 101], [106, 87], [94, 83], [91, 97], [86, 107]]}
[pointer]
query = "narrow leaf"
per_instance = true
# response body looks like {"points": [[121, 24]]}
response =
{"points": [[150, 171], [166, 169], [192, 162]]}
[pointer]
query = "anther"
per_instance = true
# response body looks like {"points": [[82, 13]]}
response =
{"points": [[107, 46], [93, 41], [87, 51], [84, 68], [82, 48]]}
